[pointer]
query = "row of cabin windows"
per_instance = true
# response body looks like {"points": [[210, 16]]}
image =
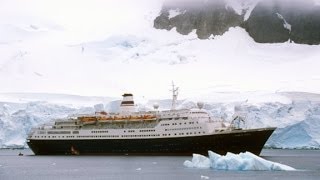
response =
{"points": [[58, 132], [176, 118], [167, 124], [177, 129], [112, 136], [73, 136], [141, 135], [54, 136], [148, 130], [188, 133], [109, 136], [99, 131]]}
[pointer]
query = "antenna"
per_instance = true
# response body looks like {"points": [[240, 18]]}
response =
{"points": [[175, 92]]}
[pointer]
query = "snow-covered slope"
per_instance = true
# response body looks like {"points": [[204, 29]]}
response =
{"points": [[49, 52], [59, 99]]}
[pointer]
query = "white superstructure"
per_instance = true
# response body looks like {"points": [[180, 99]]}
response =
{"points": [[129, 124]]}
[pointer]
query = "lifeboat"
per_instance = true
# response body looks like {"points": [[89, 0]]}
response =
{"points": [[109, 118], [88, 119], [101, 113]]}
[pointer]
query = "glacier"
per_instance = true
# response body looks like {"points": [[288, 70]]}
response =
{"points": [[240, 162], [296, 115], [18, 115]]}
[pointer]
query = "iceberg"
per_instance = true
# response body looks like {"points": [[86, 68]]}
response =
{"points": [[198, 161], [236, 162]]}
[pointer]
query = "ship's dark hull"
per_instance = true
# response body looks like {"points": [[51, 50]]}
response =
{"points": [[236, 142]]}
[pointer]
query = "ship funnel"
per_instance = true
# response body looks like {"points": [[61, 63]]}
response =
{"points": [[127, 103]]}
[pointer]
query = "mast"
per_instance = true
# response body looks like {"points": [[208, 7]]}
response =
{"points": [[175, 92]]}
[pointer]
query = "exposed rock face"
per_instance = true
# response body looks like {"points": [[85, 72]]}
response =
{"points": [[207, 17], [271, 21], [265, 25]]}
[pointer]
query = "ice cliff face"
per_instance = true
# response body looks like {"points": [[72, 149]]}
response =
{"points": [[297, 116], [270, 21], [16, 120]]}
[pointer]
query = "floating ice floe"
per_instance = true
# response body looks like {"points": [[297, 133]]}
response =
{"points": [[204, 177], [241, 162]]}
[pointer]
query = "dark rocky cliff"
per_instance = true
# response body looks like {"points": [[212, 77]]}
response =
{"points": [[266, 24], [207, 17]]}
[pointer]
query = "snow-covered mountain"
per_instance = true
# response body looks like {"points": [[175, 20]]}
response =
{"points": [[52, 48], [297, 115], [78, 53]]}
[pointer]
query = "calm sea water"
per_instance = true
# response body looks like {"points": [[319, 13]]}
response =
{"points": [[29, 166]]}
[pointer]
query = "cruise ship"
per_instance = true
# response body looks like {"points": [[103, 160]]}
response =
{"points": [[130, 132]]}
